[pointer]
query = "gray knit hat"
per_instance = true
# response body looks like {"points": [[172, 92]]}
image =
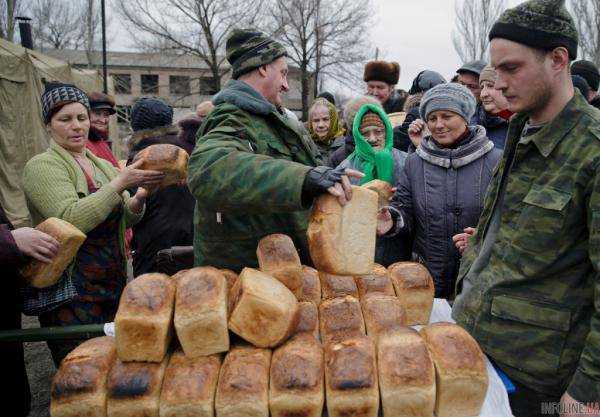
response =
{"points": [[57, 95], [450, 96], [541, 24]]}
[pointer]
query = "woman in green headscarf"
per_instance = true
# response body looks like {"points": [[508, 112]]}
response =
{"points": [[374, 154], [375, 157], [324, 125]]}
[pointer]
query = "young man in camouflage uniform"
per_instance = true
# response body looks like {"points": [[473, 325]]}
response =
{"points": [[530, 280], [253, 172]]}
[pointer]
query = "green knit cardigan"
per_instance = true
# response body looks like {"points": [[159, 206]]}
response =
{"points": [[55, 186]]}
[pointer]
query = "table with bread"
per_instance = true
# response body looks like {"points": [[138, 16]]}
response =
{"points": [[285, 339]]}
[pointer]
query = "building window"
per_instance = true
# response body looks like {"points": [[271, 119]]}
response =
{"points": [[122, 83], [207, 86], [179, 85], [123, 114], [149, 84]]}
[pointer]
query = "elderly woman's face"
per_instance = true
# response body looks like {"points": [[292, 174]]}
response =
{"points": [[70, 127], [375, 136], [320, 121], [493, 101], [445, 126]]}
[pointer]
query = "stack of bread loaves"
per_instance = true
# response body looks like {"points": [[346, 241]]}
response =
{"points": [[338, 333]]}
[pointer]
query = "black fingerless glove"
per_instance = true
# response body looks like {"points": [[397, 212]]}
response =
{"points": [[318, 180]]}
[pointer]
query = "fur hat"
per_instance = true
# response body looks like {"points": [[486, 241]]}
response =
{"points": [[388, 72]]}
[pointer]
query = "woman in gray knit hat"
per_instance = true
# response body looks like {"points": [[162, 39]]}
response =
{"points": [[441, 189]]}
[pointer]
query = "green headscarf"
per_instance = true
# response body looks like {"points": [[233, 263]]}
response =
{"points": [[376, 165], [335, 129]]}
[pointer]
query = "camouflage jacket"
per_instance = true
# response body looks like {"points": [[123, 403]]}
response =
{"points": [[246, 174], [535, 306]]}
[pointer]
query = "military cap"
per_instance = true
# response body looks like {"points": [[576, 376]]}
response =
{"points": [[248, 49]]}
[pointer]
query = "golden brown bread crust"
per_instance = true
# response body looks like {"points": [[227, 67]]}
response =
{"points": [[143, 324], [383, 190], [382, 314], [275, 252], [201, 312], [351, 378], [40, 274], [333, 286], [169, 159], [377, 281], [79, 385], [311, 285], [406, 374], [189, 385], [340, 318], [243, 385], [338, 248], [133, 388], [292, 277], [415, 290], [230, 276], [308, 319], [263, 310]]}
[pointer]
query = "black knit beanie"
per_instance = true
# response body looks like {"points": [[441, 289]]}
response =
{"points": [[150, 113], [56, 95], [587, 70], [541, 24]]}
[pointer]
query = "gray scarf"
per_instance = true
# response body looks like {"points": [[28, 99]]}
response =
{"points": [[476, 146]]}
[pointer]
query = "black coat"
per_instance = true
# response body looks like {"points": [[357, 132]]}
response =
{"points": [[16, 392], [168, 220]]}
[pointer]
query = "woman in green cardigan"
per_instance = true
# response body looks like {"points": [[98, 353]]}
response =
{"points": [[69, 182]]}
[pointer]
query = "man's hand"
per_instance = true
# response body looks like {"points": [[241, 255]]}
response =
{"points": [[35, 244], [321, 179], [576, 409], [461, 240]]}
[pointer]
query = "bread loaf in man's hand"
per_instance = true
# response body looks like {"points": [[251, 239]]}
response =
{"points": [[40, 274], [342, 238], [166, 158]]}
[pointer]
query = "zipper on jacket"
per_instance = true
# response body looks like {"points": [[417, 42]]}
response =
{"points": [[219, 217]]}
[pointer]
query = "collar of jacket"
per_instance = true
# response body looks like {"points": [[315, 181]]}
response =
{"points": [[473, 149], [242, 95], [140, 135], [550, 135]]}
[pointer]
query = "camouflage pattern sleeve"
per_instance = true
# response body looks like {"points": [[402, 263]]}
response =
{"points": [[585, 384], [225, 171]]}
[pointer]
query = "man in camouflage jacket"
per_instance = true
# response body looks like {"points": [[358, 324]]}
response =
{"points": [[253, 172], [530, 280]]}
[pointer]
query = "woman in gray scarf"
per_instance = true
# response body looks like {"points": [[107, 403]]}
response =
{"points": [[442, 186]]}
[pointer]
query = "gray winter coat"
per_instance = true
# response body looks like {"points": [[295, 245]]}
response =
{"points": [[441, 192]]}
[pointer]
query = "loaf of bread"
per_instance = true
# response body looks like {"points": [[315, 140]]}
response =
{"points": [[79, 385], [351, 378], [382, 314], [415, 290], [383, 190], [40, 274], [201, 312], [406, 374], [263, 311], [143, 324], [230, 276], [340, 318], [278, 257], [461, 374], [342, 238], [243, 388], [333, 286], [308, 319], [296, 378], [378, 281], [134, 388], [311, 285], [189, 386], [166, 158]]}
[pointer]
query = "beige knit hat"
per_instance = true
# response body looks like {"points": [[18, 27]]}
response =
{"points": [[488, 74]]}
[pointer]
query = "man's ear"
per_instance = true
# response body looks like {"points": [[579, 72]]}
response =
{"points": [[262, 70], [559, 58]]}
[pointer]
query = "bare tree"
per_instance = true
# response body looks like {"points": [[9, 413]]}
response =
{"points": [[586, 14], [325, 38], [57, 24], [8, 10], [474, 20], [196, 27]]}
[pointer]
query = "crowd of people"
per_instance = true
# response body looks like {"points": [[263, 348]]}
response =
{"points": [[496, 179]]}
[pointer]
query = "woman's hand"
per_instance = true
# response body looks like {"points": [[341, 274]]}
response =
{"points": [[461, 240], [416, 131], [136, 203], [384, 221], [132, 176], [35, 244]]}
